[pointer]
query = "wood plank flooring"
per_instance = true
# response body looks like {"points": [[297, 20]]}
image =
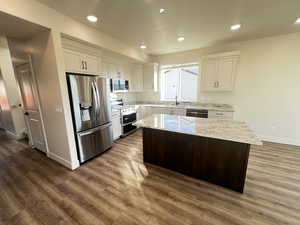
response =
{"points": [[118, 189]]}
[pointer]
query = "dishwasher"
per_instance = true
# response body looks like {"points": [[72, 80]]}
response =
{"points": [[201, 113]]}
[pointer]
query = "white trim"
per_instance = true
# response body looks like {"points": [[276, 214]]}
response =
{"points": [[281, 140], [60, 160]]}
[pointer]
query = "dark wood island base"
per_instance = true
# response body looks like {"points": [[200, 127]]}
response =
{"points": [[217, 161]]}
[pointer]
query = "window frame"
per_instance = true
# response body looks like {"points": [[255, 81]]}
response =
{"points": [[179, 82]]}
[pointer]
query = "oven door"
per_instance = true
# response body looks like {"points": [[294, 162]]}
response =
{"points": [[128, 118]]}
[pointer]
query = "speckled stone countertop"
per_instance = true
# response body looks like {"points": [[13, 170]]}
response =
{"points": [[230, 130], [207, 106]]}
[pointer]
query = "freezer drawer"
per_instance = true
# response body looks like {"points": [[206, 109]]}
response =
{"points": [[94, 141]]}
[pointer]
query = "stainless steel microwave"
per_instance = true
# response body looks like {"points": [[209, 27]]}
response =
{"points": [[119, 85]]}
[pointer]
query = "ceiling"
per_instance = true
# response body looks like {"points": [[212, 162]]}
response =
{"points": [[202, 22], [17, 28]]}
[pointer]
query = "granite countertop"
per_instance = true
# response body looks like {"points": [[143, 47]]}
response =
{"points": [[207, 106], [229, 130]]}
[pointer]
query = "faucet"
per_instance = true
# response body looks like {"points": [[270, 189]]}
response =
{"points": [[176, 102]]}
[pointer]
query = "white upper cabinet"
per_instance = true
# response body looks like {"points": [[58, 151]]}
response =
{"points": [[209, 74], [80, 58], [92, 64], [73, 61], [218, 71], [150, 77], [82, 63]]}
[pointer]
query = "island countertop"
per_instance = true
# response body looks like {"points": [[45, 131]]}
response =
{"points": [[229, 130]]}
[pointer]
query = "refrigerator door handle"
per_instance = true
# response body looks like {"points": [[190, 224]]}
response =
{"points": [[95, 99], [97, 93], [90, 131]]}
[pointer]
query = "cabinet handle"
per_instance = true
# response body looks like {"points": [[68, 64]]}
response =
{"points": [[217, 84], [82, 65], [86, 67]]}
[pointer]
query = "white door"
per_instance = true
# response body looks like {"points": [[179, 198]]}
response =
{"points": [[31, 106]]}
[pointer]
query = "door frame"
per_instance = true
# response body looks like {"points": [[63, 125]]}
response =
{"points": [[37, 98]]}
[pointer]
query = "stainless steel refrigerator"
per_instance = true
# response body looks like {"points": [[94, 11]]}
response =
{"points": [[91, 113]]}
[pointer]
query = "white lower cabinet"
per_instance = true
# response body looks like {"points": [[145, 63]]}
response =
{"points": [[116, 125], [220, 115]]}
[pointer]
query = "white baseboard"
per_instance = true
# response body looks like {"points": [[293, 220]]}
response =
{"points": [[288, 141], [60, 160], [14, 136]]}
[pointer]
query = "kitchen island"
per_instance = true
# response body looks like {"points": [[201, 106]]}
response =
{"points": [[213, 150]]}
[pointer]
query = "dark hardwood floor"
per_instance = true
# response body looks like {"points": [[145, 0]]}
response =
{"points": [[118, 189]]}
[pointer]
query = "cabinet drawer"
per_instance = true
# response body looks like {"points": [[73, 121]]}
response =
{"points": [[220, 115]]}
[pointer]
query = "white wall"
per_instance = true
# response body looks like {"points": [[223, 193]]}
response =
{"points": [[16, 126], [54, 110], [267, 85]]}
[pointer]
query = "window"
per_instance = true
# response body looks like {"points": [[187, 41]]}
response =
{"points": [[179, 81]]}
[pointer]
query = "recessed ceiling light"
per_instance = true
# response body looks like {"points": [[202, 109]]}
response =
{"points": [[235, 27], [143, 46], [181, 38], [162, 10], [92, 18], [297, 21]]}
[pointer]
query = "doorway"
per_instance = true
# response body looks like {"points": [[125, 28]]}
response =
{"points": [[31, 105]]}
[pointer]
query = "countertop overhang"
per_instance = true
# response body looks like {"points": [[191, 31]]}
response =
{"points": [[229, 130]]}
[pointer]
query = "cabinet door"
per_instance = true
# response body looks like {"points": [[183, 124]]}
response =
{"points": [[91, 64], [73, 62], [226, 74], [210, 74], [117, 128]]}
